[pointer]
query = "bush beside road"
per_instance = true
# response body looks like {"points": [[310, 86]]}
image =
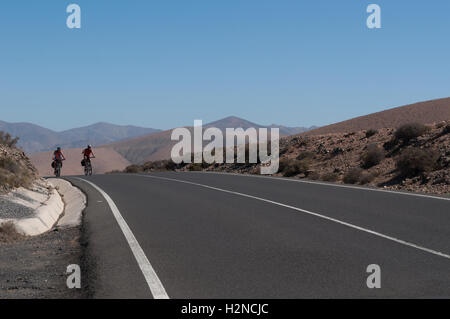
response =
{"points": [[16, 169]]}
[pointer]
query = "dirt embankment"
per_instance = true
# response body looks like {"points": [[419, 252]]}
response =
{"points": [[16, 170]]}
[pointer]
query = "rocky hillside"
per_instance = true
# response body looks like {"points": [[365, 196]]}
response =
{"points": [[413, 157], [16, 169]]}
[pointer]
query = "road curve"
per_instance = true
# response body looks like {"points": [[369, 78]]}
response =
{"points": [[228, 236]]}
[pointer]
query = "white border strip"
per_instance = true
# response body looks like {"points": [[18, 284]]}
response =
{"points": [[405, 243], [154, 283], [325, 184]]}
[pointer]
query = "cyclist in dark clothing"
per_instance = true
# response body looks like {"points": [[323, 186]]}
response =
{"points": [[88, 154], [58, 157]]}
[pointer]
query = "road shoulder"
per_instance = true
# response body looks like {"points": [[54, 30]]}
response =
{"points": [[109, 268]]}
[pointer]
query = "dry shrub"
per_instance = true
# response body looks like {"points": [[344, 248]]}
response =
{"points": [[389, 145], [6, 139], [415, 161], [170, 165], [353, 176], [133, 169], [4, 175], [313, 175], [410, 131], [329, 177], [371, 133], [372, 156], [10, 164], [446, 129], [13, 174], [161, 165], [366, 178], [283, 164], [283, 150], [292, 167]]}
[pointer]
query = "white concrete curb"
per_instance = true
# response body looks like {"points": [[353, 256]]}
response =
{"points": [[74, 200], [46, 216]]}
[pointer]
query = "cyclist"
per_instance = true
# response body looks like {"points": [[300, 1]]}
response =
{"points": [[58, 157], [88, 154]]}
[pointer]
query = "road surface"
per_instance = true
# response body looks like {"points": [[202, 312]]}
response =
{"points": [[206, 235]]}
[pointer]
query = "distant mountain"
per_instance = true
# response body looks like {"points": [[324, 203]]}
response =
{"points": [[34, 138], [159, 145], [287, 131], [233, 122], [101, 133], [427, 112]]}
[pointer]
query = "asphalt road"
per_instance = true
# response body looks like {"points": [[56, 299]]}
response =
{"points": [[228, 236]]}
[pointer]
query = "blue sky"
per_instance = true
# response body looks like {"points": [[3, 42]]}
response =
{"points": [[165, 63]]}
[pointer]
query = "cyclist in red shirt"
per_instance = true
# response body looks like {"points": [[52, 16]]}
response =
{"points": [[88, 154], [58, 157]]}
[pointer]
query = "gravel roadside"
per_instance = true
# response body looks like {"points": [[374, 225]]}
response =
{"points": [[35, 267]]}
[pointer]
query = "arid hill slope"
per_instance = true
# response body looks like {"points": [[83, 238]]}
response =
{"points": [[428, 112], [158, 146], [152, 147]]}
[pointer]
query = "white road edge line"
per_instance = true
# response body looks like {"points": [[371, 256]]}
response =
{"points": [[154, 283], [431, 251], [327, 184]]}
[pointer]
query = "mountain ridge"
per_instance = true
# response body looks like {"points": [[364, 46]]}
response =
{"points": [[35, 138], [158, 146]]}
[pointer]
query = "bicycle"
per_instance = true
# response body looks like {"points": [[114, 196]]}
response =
{"points": [[87, 167], [58, 166]]}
